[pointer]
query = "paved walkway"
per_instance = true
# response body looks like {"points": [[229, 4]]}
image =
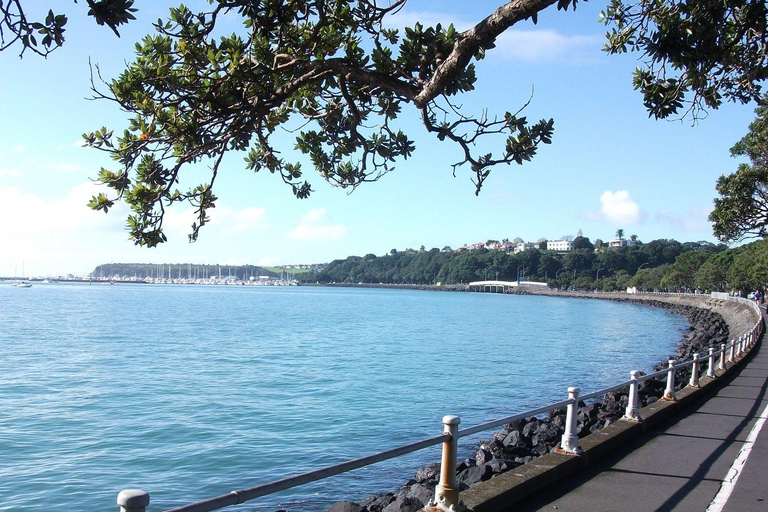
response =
{"points": [[683, 464]]}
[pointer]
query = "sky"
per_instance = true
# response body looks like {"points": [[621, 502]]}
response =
{"points": [[609, 167]]}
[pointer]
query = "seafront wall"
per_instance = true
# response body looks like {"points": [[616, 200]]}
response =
{"points": [[528, 446]]}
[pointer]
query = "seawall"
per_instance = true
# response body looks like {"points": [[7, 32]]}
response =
{"points": [[521, 457]]}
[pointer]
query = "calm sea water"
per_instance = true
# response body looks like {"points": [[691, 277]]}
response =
{"points": [[189, 392]]}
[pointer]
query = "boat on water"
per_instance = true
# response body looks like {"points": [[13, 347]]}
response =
{"points": [[22, 285]]}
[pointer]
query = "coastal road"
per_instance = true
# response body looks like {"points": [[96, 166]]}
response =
{"points": [[712, 457]]}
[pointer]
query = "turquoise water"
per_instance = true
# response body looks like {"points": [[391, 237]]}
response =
{"points": [[189, 392]]}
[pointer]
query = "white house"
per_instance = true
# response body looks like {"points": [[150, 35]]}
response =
{"points": [[523, 246], [621, 243], [560, 245]]}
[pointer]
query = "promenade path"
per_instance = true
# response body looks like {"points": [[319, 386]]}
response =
{"points": [[685, 464]]}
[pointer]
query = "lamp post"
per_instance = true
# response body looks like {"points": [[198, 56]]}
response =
{"points": [[597, 278], [518, 272]]}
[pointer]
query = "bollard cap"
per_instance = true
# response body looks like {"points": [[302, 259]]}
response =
{"points": [[133, 498], [573, 389], [451, 419]]}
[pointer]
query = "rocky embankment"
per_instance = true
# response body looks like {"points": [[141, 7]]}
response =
{"points": [[711, 322]]}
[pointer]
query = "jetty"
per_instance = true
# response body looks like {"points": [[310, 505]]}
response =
{"points": [[503, 286]]}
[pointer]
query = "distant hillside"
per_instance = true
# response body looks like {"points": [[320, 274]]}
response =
{"points": [[660, 264]]}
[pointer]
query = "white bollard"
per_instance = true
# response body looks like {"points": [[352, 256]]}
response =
{"points": [[447, 491], [732, 354], [694, 382], [669, 392], [569, 443], [711, 368], [632, 412], [722, 356], [133, 500]]}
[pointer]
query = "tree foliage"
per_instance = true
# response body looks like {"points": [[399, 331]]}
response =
{"points": [[581, 242], [330, 72], [696, 53], [682, 274], [741, 211], [44, 36], [667, 265], [325, 69], [619, 266]]}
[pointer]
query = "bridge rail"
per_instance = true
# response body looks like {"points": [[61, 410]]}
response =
{"points": [[447, 493]]}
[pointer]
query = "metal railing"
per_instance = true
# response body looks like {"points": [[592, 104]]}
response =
{"points": [[447, 492]]}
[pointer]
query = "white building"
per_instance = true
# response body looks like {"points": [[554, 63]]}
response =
{"points": [[560, 245], [523, 246], [621, 243]]}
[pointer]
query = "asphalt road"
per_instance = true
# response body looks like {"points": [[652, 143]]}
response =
{"points": [[683, 464]]}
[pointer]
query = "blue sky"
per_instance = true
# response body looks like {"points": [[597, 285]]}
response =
{"points": [[609, 166]]}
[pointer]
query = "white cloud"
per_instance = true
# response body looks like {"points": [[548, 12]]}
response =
{"points": [[694, 220], [427, 19], [20, 148], [620, 208], [68, 168], [80, 143], [53, 235], [240, 221], [225, 219], [315, 216], [532, 45], [314, 226], [617, 207], [9, 172], [30, 214], [546, 46]]}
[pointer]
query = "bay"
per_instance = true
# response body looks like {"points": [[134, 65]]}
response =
{"points": [[189, 392]]}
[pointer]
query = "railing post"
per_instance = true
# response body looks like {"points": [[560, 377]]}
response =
{"points": [[133, 500], [569, 443], [732, 354], [739, 346], [711, 367], [669, 393], [447, 491], [694, 382], [633, 405], [722, 356]]}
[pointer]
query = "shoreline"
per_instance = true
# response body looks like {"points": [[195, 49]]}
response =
{"points": [[711, 322]]}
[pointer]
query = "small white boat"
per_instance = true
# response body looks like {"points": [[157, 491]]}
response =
{"points": [[22, 285]]}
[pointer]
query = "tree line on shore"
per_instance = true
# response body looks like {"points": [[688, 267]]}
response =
{"points": [[658, 265]]}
